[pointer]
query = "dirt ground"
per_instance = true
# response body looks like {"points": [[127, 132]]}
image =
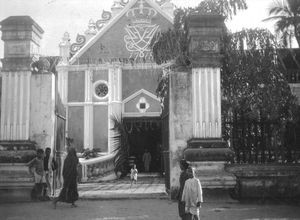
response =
{"points": [[149, 209]]}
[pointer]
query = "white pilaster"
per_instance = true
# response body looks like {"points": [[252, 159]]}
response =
{"points": [[21, 112], [88, 112], [115, 99], [3, 106], [206, 103], [27, 105], [9, 105], [218, 94], [15, 106]]}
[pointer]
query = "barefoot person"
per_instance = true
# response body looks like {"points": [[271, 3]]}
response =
{"points": [[49, 167], [36, 168], [133, 174], [192, 196], [69, 191]]}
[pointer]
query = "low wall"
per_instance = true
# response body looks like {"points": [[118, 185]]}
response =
{"points": [[97, 169], [266, 181]]}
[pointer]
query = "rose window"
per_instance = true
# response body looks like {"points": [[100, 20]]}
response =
{"points": [[101, 90]]}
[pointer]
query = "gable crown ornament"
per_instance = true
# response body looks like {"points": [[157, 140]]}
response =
{"points": [[141, 14]]}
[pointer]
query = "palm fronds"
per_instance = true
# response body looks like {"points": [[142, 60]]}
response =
{"points": [[120, 145]]}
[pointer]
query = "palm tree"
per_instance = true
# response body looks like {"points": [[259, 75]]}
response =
{"points": [[120, 145], [286, 13]]}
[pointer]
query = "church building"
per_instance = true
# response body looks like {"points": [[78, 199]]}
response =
{"points": [[111, 74]]}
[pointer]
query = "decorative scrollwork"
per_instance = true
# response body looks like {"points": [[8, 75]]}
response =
{"points": [[80, 41], [106, 16], [124, 2]]}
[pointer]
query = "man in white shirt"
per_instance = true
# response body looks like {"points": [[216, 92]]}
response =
{"points": [[192, 195]]}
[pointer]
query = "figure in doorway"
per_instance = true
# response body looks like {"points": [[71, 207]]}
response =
{"points": [[147, 160]]}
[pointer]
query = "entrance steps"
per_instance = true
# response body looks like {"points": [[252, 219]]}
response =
{"points": [[150, 185], [15, 183]]}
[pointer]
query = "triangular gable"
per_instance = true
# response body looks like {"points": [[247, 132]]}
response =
{"points": [[141, 104], [114, 21], [142, 91]]}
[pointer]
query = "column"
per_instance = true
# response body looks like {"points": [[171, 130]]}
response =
{"points": [[15, 105], [206, 102], [88, 111], [115, 99]]}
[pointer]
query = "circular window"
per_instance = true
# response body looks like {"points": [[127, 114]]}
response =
{"points": [[101, 89]]}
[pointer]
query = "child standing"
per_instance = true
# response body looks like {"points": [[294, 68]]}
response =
{"points": [[192, 195], [36, 168], [133, 174]]}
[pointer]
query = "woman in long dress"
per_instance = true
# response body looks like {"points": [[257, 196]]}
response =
{"points": [[69, 193]]}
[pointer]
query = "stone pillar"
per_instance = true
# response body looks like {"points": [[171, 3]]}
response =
{"points": [[206, 149], [195, 108], [21, 36], [27, 105]]}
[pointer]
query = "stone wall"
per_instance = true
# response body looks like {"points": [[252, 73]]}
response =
{"points": [[266, 181]]}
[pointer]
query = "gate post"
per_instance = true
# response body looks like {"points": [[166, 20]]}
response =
{"points": [[195, 107], [206, 150]]}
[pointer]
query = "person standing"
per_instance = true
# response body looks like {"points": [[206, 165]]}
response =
{"points": [[183, 177], [36, 168], [192, 195], [69, 192], [147, 160], [133, 174], [49, 167]]}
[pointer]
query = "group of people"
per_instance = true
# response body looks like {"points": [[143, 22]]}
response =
{"points": [[190, 193], [42, 167]]}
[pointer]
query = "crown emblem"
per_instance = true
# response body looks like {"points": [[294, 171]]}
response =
{"points": [[141, 14]]}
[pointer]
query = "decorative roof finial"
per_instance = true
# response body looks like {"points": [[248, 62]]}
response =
{"points": [[64, 48], [91, 31]]}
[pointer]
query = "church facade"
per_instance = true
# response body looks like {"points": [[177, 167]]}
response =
{"points": [[110, 74]]}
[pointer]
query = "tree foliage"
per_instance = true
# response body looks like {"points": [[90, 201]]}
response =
{"points": [[173, 44], [287, 16], [253, 83]]}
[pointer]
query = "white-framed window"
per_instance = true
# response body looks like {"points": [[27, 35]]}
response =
{"points": [[101, 89]]}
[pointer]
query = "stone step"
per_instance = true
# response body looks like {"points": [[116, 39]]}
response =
{"points": [[5, 179]]}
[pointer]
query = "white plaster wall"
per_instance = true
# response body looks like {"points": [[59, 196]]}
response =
{"points": [[42, 109], [180, 119]]}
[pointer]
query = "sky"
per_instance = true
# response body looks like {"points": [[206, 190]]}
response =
{"points": [[58, 16]]}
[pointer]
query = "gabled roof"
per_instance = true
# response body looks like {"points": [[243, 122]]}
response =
{"points": [[113, 21], [142, 91]]}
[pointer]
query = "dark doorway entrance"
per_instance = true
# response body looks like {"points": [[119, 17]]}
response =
{"points": [[145, 134]]}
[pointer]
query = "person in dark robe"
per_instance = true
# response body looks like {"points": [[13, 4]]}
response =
{"points": [[183, 177], [69, 192]]}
